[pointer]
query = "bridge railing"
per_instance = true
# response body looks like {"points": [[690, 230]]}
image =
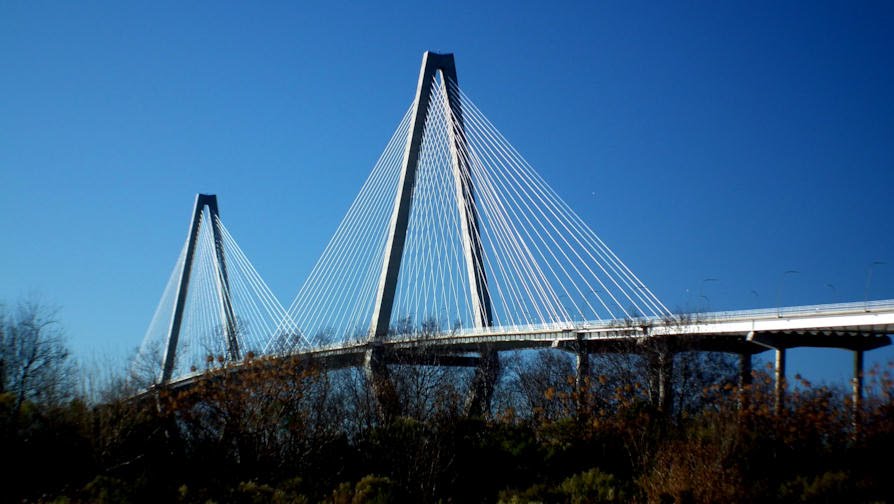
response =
{"points": [[801, 311], [637, 325], [536, 330]]}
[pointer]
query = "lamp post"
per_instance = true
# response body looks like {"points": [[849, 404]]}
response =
{"points": [[707, 302], [869, 281], [832, 286], [701, 290], [779, 290]]}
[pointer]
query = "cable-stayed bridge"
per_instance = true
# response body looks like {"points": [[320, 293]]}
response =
{"points": [[455, 249]]}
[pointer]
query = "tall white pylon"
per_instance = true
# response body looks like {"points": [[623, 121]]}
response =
{"points": [[433, 65]]}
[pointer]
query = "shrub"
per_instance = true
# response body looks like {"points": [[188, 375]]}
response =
{"points": [[373, 489], [593, 486], [830, 486]]}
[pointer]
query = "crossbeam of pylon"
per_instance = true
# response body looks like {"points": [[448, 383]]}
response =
{"points": [[228, 317], [433, 64]]}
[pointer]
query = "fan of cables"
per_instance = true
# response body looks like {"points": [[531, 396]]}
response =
{"points": [[228, 311], [541, 265]]}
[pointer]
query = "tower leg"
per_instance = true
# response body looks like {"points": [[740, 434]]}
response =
{"points": [[582, 378], [379, 379], [582, 368], [228, 316], [167, 365], [483, 384]]}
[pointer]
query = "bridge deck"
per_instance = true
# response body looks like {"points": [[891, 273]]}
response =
{"points": [[851, 326]]}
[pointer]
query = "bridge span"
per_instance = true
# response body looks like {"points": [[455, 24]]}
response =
{"points": [[857, 327], [454, 250]]}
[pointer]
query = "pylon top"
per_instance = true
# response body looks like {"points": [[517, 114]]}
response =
{"points": [[431, 63]]}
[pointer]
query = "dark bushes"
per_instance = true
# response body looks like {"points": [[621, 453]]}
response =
{"points": [[288, 431]]}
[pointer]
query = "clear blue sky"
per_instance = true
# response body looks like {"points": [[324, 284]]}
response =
{"points": [[721, 140]]}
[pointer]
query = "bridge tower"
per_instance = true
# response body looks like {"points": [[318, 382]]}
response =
{"points": [[222, 284], [434, 65]]}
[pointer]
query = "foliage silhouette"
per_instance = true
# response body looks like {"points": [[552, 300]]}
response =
{"points": [[286, 430]]}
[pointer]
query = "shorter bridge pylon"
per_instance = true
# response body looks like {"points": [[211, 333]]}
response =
{"points": [[227, 316]]}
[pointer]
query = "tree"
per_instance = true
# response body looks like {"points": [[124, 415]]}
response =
{"points": [[538, 385], [34, 361]]}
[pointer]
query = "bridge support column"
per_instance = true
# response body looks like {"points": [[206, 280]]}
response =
{"points": [[662, 369], [376, 369], [582, 377], [857, 392], [665, 383], [744, 379], [779, 396], [582, 367], [483, 384]]}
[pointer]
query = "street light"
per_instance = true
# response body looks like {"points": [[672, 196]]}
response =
{"points": [[831, 286], [868, 281], [701, 290], [779, 290]]}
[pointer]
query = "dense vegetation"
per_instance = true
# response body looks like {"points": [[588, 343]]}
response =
{"points": [[288, 431]]}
